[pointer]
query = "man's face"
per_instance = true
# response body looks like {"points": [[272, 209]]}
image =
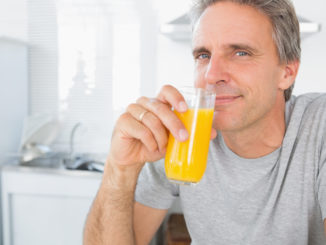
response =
{"points": [[234, 50]]}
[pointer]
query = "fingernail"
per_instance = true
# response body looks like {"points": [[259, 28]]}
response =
{"points": [[183, 134], [183, 106]]}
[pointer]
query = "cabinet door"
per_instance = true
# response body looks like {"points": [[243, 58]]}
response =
{"points": [[51, 220], [44, 207]]}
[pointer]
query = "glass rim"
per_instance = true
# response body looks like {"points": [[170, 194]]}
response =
{"points": [[190, 90]]}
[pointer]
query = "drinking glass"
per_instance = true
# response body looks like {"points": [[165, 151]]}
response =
{"points": [[185, 162]]}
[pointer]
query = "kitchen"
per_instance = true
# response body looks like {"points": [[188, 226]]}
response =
{"points": [[70, 67]]}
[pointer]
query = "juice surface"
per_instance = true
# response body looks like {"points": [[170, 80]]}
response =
{"points": [[186, 161]]}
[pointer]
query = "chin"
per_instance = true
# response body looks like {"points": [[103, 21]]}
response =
{"points": [[225, 122], [223, 125]]}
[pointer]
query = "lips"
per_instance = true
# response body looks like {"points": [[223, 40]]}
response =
{"points": [[225, 99]]}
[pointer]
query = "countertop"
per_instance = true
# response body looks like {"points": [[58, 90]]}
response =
{"points": [[55, 169]]}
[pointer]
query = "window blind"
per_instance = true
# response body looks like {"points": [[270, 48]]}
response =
{"points": [[88, 60]]}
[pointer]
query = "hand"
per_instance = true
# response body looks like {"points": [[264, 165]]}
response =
{"points": [[138, 140]]}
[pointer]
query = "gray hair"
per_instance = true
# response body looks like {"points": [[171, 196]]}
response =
{"points": [[286, 33]]}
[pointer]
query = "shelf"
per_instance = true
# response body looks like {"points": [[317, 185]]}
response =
{"points": [[180, 28]]}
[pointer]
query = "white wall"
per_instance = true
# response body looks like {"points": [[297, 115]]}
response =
{"points": [[13, 19], [175, 63], [174, 59], [13, 96], [311, 77]]}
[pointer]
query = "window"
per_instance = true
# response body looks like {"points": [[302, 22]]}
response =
{"points": [[88, 60]]}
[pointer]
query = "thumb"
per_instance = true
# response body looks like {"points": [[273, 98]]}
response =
{"points": [[213, 133]]}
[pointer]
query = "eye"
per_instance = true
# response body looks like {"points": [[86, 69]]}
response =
{"points": [[242, 53], [203, 56]]}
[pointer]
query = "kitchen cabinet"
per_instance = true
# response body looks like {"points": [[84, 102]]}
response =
{"points": [[45, 206], [49, 205]]}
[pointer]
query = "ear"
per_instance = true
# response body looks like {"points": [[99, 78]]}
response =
{"points": [[290, 72]]}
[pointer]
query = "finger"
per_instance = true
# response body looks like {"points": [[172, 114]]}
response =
{"points": [[133, 129], [170, 95], [166, 116], [153, 123], [136, 111], [213, 133], [158, 129]]}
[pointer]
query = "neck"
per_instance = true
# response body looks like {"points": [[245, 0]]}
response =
{"points": [[260, 138]]}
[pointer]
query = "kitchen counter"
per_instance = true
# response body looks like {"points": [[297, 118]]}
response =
{"points": [[52, 170], [49, 193]]}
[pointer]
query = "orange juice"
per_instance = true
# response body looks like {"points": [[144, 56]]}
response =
{"points": [[186, 161]]}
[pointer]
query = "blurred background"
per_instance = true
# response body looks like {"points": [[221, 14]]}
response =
{"points": [[68, 69]]}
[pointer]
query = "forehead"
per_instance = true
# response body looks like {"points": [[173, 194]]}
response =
{"points": [[226, 22]]}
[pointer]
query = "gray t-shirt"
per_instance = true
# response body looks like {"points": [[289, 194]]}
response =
{"points": [[276, 199]]}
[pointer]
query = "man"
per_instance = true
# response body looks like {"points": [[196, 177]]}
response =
{"points": [[265, 180]]}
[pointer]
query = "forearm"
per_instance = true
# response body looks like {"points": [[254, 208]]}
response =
{"points": [[110, 220]]}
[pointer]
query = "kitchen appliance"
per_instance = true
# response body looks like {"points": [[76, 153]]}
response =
{"points": [[38, 133]]}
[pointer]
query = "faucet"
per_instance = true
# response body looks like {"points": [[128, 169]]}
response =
{"points": [[80, 162], [69, 161], [72, 138]]}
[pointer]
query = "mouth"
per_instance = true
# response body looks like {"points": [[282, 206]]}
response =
{"points": [[225, 99]]}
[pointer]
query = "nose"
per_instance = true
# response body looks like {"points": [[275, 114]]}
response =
{"points": [[216, 71]]}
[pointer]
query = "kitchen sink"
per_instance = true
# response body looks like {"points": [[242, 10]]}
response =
{"points": [[64, 161]]}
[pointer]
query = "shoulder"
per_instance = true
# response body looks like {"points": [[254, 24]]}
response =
{"points": [[306, 114], [309, 99], [307, 104]]}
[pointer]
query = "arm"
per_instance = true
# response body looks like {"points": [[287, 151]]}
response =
{"points": [[110, 218], [325, 226], [146, 222], [117, 225], [114, 217]]}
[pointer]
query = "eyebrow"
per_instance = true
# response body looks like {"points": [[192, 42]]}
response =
{"points": [[236, 46], [243, 46], [199, 50]]}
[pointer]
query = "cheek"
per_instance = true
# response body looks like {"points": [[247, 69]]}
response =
{"points": [[261, 94], [260, 84], [260, 101], [199, 76]]}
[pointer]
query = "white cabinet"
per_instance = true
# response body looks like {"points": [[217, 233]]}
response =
{"points": [[46, 206]]}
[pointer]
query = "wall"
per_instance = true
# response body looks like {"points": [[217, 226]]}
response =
{"points": [[175, 64], [174, 61], [13, 19], [311, 77], [13, 101]]}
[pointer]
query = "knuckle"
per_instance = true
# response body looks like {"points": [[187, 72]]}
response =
{"points": [[123, 117], [160, 108], [152, 103], [122, 121], [130, 107], [156, 124], [142, 98], [167, 87], [147, 134]]}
